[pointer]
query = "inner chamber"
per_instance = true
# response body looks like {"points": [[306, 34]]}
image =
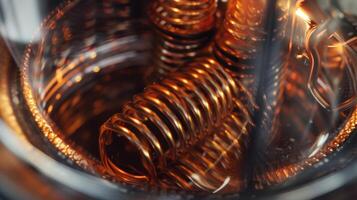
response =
{"points": [[93, 56]]}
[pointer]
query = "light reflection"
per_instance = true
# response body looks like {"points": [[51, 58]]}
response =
{"points": [[320, 142], [300, 12], [78, 78], [96, 69], [224, 184]]}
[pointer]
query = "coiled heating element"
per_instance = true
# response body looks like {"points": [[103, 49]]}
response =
{"points": [[240, 37], [184, 28], [216, 165], [187, 108], [198, 109]]}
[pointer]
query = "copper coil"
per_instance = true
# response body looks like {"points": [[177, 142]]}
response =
{"points": [[167, 118], [216, 164], [172, 52], [241, 35], [184, 29], [184, 17]]}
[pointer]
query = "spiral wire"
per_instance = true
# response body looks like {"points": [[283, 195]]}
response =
{"points": [[216, 164], [239, 40], [171, 116], [183, 28]]}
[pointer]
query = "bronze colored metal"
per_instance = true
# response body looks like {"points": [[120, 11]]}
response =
{"points": [[215, 165], [184, 28], [168, 118], [240, 37]]}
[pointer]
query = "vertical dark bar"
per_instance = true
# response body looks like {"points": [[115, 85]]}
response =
{"points": [[262, 78]]}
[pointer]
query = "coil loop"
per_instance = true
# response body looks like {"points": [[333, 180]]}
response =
{"points": [[172, 52], [169, 117], [216, 164], [240, 37], [184, 29], [184, 17]]}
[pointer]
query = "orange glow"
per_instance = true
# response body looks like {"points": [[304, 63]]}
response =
{"points": [[299, 12]]}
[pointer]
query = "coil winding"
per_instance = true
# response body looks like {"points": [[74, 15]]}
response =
{"points": [[184, 29], [240, 37], [216, 164], [170, 116]]}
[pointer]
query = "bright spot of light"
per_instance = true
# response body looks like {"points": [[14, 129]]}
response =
{"points": [[224, 184], [320, 142], [299, 12]]}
